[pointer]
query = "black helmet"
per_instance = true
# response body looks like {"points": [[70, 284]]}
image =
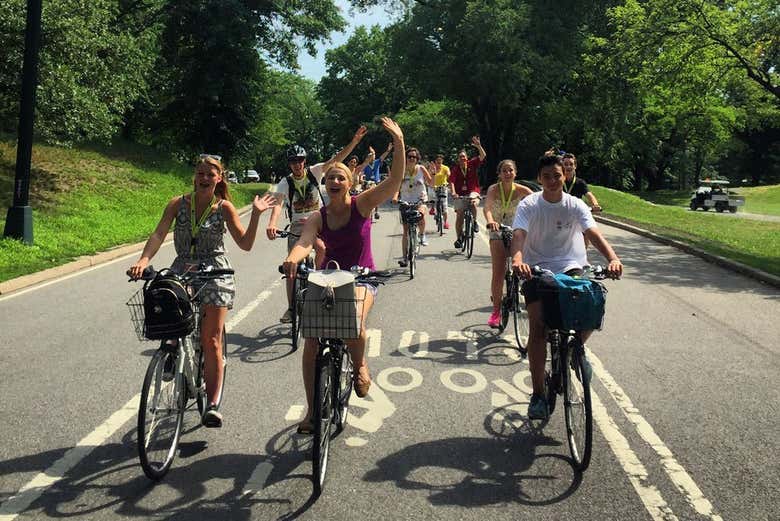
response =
{"points": [[296, 151]]}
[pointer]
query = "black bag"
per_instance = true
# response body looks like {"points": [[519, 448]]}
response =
{"points": [[168, 310]]}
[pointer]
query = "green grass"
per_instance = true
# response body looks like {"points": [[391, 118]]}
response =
{"points": [[755, 243], [87, 200], [758, 199]]}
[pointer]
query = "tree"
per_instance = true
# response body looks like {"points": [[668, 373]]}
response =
{"points": [[92, 67]]}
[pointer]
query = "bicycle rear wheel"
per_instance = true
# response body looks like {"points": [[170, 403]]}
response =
{"points": [[200, 382], [344, 390], [440, 218], [322, 419], [160, 414], [577, 407], [466, 232]]}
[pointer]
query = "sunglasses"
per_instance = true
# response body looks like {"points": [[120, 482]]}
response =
{"points": [[209, 156], [296, 160], [412, 156]]}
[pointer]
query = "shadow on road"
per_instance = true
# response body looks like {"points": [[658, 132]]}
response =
{"points": [[271, 343]]}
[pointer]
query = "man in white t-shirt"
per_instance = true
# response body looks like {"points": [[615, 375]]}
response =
{"points": [[300, 195], [548, 232]]}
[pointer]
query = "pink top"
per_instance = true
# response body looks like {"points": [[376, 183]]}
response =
{"points": [[350, 245]]}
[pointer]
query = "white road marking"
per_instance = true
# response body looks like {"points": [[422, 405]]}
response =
{"points": [[355, 441], [258, 478], [499, 400], [415, 379], [295, 413], [374, 341], [12, 507], [468, 339], [513, 392], [378, 408], [681, 479], [405, 344], [480, 382], [637, 474]]}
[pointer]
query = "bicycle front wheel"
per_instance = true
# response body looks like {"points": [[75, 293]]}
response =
{"points": [[322, 419], [295, 324], [160, 414], [412, 251], [344, 390], [519, 316], [470, 241], [440, 218], [577, 407]]}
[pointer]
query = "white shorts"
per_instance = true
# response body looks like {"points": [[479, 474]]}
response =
{"points": [[460, 203]]}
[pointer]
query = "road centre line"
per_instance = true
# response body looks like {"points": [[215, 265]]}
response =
{"points": [[678, 475], [36, 487], [650, 496]]}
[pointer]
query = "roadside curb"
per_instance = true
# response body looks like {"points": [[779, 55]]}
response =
{"points": [[761, 276], [81, 263]]}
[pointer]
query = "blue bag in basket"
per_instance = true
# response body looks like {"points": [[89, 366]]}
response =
{"points": [[580, 304]]}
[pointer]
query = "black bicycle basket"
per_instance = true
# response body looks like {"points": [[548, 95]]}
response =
{"points": [[168, 311]]}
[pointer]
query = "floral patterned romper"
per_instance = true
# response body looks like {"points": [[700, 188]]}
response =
{"points": [[209, 250]]}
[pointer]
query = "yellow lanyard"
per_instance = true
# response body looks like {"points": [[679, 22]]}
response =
{"points": [[300, 187], [196, 225], [411, 184], [568, 189], [505, 202]]}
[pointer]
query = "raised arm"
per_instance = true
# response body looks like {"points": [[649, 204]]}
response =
{"points": [[342, 154], [478, 145], [427, 175], [386, 152], [385, 190]]}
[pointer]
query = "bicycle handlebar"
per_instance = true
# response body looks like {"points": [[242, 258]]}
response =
{"points": [[202, 273], [362, 273]]}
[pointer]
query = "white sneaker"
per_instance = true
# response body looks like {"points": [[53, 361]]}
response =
{"points": [[424, 240]]}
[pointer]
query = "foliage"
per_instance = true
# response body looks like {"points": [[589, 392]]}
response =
{"points": [[93, 66], [436, 127]]}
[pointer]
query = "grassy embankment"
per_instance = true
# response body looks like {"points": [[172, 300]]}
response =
{"points": [[755, 243], [87, 200], [758, 199]]}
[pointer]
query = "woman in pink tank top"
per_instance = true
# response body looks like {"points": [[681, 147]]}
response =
{"points": [[345, 227]]}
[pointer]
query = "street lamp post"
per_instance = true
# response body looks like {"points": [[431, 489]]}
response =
{"points": [[18, 223]]}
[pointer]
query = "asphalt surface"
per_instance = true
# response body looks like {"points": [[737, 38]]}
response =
{"points": [[686, 402]]}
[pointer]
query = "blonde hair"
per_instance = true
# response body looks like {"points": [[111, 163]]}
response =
{"points": [[344, 170], [506, 162], [222, 187]]}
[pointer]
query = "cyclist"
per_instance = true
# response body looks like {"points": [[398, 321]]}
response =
{"points": [[548, 231], [371, 173], [500, 205], [464, 182], [441, 182], [577, 186], [201, 218], [301, 190], [345, 227], [414, 188]]}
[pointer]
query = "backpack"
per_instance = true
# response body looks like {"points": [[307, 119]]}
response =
{"points": [[291, 190], [168, 311], [574, 304]]}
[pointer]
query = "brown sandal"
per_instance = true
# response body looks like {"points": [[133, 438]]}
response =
{"points": [[305, 427], [361, 382]]}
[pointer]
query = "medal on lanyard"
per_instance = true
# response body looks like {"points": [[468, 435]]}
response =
{"points": [[300, 188], [196, 225], [568, 189], [505, 202]]}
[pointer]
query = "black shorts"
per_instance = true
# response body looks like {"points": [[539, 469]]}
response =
{"points": [[531, 290]]}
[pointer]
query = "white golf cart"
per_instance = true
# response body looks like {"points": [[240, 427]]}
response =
{"points": [[715, 194]]}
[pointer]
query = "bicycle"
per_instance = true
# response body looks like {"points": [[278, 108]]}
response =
{"points": [[298, 289], [174, 375], [411, 217], [511, 303], [568, 373], [469, 226], [439, 216], [333, 370]]}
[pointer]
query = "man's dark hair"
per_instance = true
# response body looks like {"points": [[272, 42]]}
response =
{"points": [[546, 160]]}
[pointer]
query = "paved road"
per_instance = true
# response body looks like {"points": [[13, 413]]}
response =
{"points": [[686, 402]]}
